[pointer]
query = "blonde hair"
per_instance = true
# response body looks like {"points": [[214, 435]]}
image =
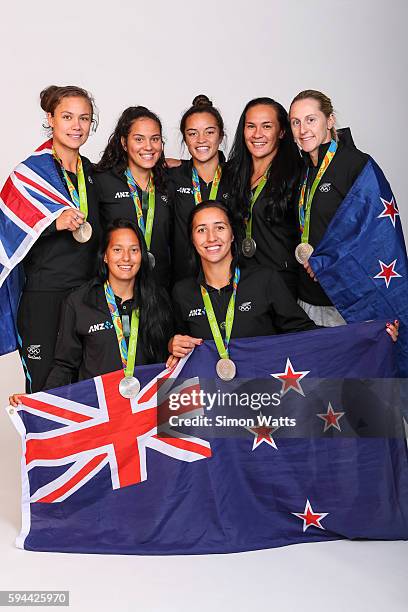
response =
{"points": [[325, 105]]}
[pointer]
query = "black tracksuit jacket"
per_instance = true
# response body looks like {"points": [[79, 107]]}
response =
{"points": [[181, 190], [346, 165], [87, 344], [116, 202], [264, 306], [57, 262]]}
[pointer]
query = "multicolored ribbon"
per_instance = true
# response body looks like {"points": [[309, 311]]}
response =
{"points": [[255, 196], [195, 179], [80, 201], [305, 208], [128, 355], [222, 345], [147, 229]]}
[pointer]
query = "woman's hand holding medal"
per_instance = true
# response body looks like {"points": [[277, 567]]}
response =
{"points": [[70, 220]]}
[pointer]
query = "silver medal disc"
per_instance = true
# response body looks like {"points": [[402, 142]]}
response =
{"points": [[129, 387], [248, 247], [152, 260], [303, 251], [226, 369], [83, 233]]}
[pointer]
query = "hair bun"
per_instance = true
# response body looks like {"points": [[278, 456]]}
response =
{"points": [[46, 95], [202, 100]]}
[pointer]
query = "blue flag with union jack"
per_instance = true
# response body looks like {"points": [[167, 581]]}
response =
{"points": [[32, 197], [195, 465], [361, 262]]}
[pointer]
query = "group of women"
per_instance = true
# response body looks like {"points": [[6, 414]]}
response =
{"points": [[212, 234]]}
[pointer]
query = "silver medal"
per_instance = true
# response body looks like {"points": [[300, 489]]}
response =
{"points": [[226, 369], [129, 387], [303, 251], [83, 233], [248, 247], [152, 260]]}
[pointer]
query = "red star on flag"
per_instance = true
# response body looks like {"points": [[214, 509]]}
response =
{"points": [[310, 518], [387, 272], [291, 379], [263, 433], [331, 418], [390, 210]]}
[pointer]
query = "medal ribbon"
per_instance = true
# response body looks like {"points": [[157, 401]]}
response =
{"points": [[255, 196], [80, 201], [305, 209], [214, 187], [128, 355], [222, 345], [148, 228]]}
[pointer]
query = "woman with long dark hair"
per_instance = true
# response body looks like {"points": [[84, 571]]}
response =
{"points": [[263, 169], [200, 178], [55, 208], [225, 300], [99, 320], [132, 185], [245, 301]]}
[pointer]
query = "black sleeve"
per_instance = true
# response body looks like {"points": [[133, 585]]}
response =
{"points": [[287, 314], [68, 351], [51, 229], [180, 326]]}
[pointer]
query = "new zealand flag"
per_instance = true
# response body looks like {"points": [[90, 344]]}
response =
{"points": [[306, 444], [361, 262]]}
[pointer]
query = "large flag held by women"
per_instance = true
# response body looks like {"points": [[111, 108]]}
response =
{"points": [[361, 262], [314, 450], [32, 197]]}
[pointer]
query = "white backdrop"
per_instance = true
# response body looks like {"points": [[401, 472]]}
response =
{"points": [[161, 54]]}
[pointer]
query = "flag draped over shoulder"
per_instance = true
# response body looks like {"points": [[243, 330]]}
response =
{"points": [[361, 262], [32, 197], [104, 474]]}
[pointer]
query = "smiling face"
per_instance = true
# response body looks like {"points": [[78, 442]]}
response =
{"points": [[143, 144], [70, 122], [212, 235], [202, 136], [310, 126], [123, 255], [262, 131]]}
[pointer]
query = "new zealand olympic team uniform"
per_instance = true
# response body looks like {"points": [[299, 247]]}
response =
{"points": [[55, 265], [337, 180], [182, 194], [116, 202], [275, 239], [263, 306], [87, 344]]}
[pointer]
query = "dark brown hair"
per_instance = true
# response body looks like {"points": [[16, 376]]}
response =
{"points": [[51, 96], [202, 104]]}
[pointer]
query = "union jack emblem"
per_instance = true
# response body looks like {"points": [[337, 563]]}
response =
{"points": [[115, 434], [32, 197]]}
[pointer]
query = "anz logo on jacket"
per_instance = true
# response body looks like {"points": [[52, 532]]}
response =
{"points": [[100, 327]]}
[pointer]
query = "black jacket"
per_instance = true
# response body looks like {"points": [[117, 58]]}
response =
{"points": [[57, 262], [346, 165], [275, 240], [264, 306], [117, 203], [181, 189], [87, 345]]}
